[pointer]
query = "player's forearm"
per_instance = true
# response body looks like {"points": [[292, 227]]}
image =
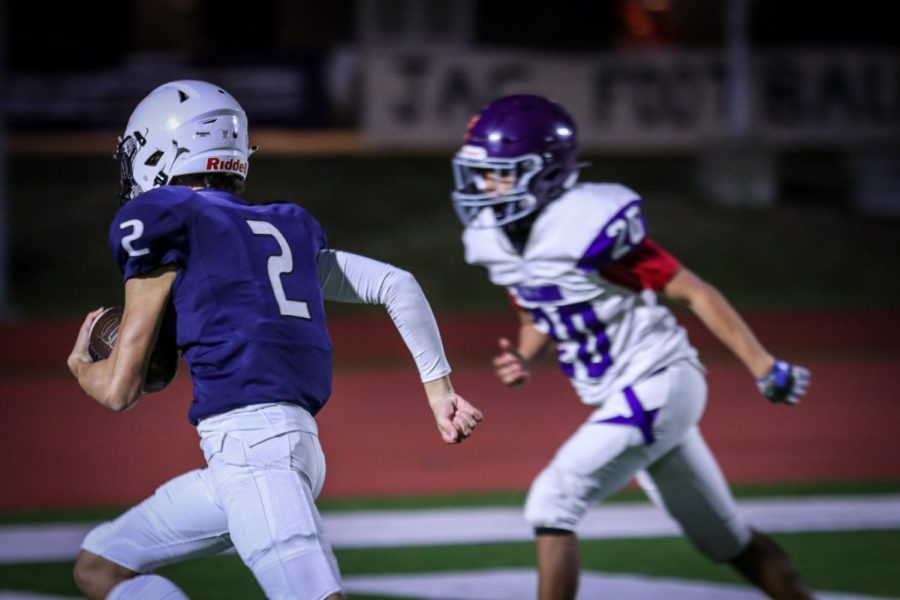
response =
{"points": [[727, 325], [409, 309], [118, 382], [437, 390], [533, 345], [348, 277], [99, 380], [720, 318]]}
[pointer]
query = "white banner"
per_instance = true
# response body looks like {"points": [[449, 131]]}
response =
{"points": [[633, 102]]}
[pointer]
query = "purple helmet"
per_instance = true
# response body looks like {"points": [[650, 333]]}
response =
{"points": [[526, 142]]}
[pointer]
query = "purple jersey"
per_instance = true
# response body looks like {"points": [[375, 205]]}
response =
{"points": [[250, 318]]}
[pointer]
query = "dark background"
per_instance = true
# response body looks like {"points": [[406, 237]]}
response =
{"points": [[72, 34], [813, 247]]}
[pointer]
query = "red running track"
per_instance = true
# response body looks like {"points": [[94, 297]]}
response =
{"points": [[59, 449]]}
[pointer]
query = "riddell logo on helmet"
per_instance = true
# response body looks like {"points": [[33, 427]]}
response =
{"points": [[231, 164], [468, 151]]}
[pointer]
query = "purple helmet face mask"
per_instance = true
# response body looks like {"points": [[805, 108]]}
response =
{"points": [[526, 142]]}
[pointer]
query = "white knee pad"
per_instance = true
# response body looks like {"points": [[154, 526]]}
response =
{"points": [[556, 500], [147, 587], [596, 461]]}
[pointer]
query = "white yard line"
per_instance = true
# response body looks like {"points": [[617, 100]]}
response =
{"points": [[520, 584], [435, 527], [634, 520], [35, 596], [60, 542]]}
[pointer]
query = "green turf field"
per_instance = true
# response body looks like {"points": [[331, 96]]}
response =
{"points": [[860, 562], [857, 562]]}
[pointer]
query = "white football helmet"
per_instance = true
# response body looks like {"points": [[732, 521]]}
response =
{"points": [[182, 127]]}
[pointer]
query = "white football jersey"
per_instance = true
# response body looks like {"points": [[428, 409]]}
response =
{"points": [[608, 336]]}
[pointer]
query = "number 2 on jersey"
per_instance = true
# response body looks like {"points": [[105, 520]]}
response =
{"points": [[137, 230], [277, 265]]}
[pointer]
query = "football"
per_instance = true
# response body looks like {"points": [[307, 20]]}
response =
{"points": [[104, 331], [163, 360]]}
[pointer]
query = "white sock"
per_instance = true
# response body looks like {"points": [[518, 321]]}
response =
{"points": [[147, 587]]}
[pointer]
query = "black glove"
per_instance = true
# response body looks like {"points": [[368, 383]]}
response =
{"points": [[785, 383]]}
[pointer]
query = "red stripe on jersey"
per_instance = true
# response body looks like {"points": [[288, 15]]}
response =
{"points": [[512, 300], [647, 266]]}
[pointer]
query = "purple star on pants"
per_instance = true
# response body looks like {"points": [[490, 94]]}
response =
{"points": [[640, 418]]}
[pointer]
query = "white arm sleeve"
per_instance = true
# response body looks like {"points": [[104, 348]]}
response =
{"points": [[347, 277]]}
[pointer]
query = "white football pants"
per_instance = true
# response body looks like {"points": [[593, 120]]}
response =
{"points": [[651, 426], [265, 469]]}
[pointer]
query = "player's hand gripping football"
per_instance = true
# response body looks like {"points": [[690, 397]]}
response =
{"points": [[510, 366], [80, 352], [784, 383], [456, 419]]}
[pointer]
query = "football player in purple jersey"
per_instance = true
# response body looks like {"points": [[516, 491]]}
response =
{"points": [[247, 283], [585, 277]]}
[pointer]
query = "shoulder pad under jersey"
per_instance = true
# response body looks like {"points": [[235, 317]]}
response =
{"points": [[149, 231], [573, 222]]}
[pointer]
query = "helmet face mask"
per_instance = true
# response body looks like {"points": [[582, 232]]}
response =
{"points": [[519, 155], [499, 183], [181, 128], [126, 149]]}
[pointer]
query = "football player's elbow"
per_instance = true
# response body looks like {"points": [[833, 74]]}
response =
{"points": [[123, 404], [691, 291], [119, 403], [406, 279], [403, 283], [122, 397]]}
